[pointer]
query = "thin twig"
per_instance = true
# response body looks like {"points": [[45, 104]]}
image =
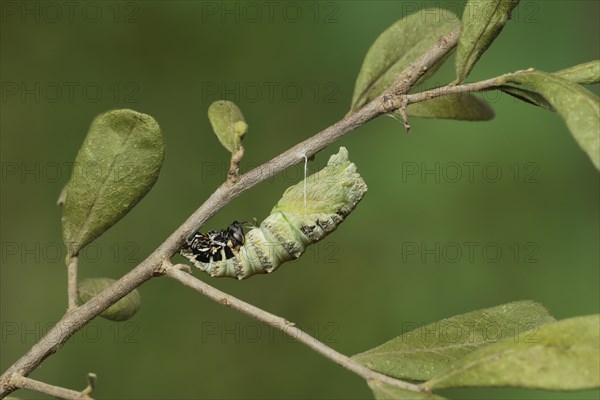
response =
{"points": [[19, 381], [446, 90], [72, 282], [283, 325], [75, 318]]}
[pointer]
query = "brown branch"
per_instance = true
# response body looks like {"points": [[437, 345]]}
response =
{"points": [[75, 318], [407, 78], [19, 381], [287, 327], [72, 283]]}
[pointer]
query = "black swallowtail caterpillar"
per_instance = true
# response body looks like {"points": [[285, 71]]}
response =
{"points": [[307, 212]]}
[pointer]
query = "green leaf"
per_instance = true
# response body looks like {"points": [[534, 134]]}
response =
{"points": [[228, 124], [383, 391], [116, 166], [561, 356], [482, 22], [427, 350], [528, 96], [396, 48], [577, 106], [122, 310], [584, 74], [461, 106]]}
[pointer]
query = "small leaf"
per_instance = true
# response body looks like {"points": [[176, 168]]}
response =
{"points": [[584, 74], [384, 391], [116, 166], [577, 106], [122, 310], [396, 48], [482, 22], [528, 96], [427, 350], [460, 106], [228, 124], [559, 356]]}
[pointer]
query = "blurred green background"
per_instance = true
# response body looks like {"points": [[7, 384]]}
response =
{"points": [[291, 69]]}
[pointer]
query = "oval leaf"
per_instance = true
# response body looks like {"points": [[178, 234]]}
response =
{"points": [[122, 310], [426, 351], [577, 106], [382, 391], [228, 124], [116, 166], [460, 106], [482, 22], [559, 356], [584, 74], [396, 48]]}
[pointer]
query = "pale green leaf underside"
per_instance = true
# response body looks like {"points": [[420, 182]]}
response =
{"points": [[560, 356], [460, 106], [122, 310], [577, 106], [528, 96], [117, 164], [482, 22], [426, 351], [584, 74], [382, 391], [228, 123], [396, 48]]}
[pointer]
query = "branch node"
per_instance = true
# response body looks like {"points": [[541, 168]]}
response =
{"points": [[161, 268], [389, 103], [425, 389]]}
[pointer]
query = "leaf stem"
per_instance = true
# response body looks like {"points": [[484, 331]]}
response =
{"points": [[234, 168], [287, 327]]}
